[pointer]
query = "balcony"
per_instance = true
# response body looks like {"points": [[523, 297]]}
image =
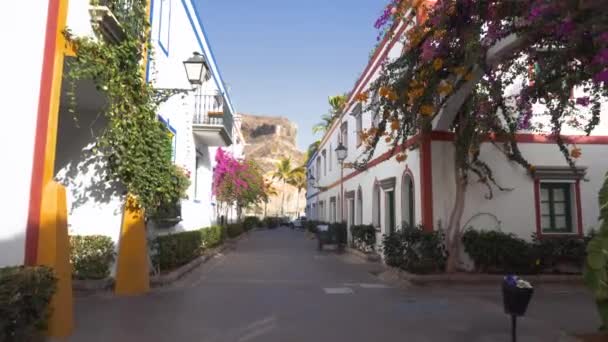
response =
{"points": [[212, 121]]}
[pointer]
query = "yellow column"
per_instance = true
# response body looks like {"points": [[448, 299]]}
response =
{"points": [[132, 268], [54, 251]]}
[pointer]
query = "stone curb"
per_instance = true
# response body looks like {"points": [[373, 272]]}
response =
{"points": [[371, 257], [478, 279], [171, 277]]}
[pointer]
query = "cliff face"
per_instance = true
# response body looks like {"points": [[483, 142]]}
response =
{"points": [[268, 140]]}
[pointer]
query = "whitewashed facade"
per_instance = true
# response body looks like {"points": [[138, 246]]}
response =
{"points": [[421, 190], [95, 206]]}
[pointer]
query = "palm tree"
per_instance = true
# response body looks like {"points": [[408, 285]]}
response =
{"points": [[321, 127], [285, 173], [336, 106], [299, 181], [269, 191]]}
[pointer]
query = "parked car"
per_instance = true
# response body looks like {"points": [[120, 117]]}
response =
{"points": [[299, 223]]}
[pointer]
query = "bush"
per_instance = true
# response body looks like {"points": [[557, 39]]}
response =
{"points": [[550, 251], [498, 252], [311, 226], [212, 236], [91, 256], [339, 232], [25, 294], [178, 249], [251, 222], [415, 250], [235, 229], [364, 237], [271, 222]]}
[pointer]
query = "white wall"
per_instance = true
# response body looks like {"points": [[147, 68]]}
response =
{"points": [[514, 209], [21, 69], [176, 34]]}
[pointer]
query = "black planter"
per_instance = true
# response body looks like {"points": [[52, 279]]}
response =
{"points": [[516, 299]]}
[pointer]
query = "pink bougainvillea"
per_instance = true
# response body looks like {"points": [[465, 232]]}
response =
{"points": [[227, 169]]}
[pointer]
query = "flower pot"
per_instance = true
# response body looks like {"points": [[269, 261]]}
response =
{"points": [[515, 299]]}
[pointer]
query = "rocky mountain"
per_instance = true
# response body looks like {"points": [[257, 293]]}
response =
{"points": [[268, 139]]}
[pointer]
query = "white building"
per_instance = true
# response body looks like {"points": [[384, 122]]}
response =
{"points": [[94, 205], [389, 194]]}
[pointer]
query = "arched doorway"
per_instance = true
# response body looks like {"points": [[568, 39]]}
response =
{"points": [[408, 204]]}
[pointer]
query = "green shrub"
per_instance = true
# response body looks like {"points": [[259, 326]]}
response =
{"points": [[235, 229], [552, 250], [415, 250], [364, 237], [339, 232], [498, 252], [178, 249], [212, 236], [25, 294], [311, 226], [251, 222], [271, 222], [91, 256]]}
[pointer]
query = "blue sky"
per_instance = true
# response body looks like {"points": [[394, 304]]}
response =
{"points": [[284, 58]]}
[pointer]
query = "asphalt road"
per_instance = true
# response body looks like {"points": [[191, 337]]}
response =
{"points": [[273, 286]]}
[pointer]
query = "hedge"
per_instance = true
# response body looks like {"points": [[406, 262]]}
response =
{"points": [[235, 229], [415, 250], [91, 256], [364, 237], [178, 249], [271, 222], [498, 252], [251, 222], [25, 294], [213, 236]]}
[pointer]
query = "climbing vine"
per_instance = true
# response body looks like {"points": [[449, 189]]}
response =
{"points": [[136, 146]]}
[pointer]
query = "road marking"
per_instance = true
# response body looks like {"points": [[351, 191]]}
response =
{"points": [[374, 286], [338, 290]]}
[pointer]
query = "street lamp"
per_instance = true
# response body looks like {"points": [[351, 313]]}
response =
{"points": [[197, 68], [341, 153]]}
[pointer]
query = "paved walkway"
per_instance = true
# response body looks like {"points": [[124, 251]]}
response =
{"points": [[275, 287]]}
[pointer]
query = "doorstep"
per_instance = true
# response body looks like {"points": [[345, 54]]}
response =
{"points": [[476, 278]]}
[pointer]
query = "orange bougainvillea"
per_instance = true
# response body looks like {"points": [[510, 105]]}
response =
{"points": [[362, 97], [401, 157], [445, 88], [576, 152], [395, 124], [427, 110]]}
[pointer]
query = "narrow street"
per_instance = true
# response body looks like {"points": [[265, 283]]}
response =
{"points": [[274, 286]]}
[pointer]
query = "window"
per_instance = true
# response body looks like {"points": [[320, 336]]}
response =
{"points": [[390, 211], [324, 162], [344, 134], [359, 209], [318, 169], [331, 155], [376, 206], [164, 30], [556, 207], [407, 201], [359, 123], [332, 210]]}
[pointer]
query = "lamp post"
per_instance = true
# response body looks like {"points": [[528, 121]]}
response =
{"points": [[197, 71], [341, 153]]}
